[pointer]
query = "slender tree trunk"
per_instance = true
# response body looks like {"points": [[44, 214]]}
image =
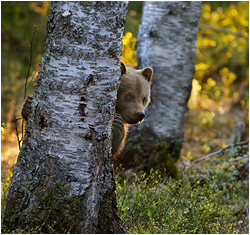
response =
{"points": [[166, 42], [63, 180]]}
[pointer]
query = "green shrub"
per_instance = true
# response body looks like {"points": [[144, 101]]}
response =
{"points": [[154, 205]]}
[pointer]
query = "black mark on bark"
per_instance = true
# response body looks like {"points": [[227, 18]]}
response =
{"points": [[82, 107]]}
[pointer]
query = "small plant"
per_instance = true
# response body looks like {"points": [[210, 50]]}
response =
{"points": [[152, 205]]}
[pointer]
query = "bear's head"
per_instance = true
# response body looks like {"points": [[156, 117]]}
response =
{"points": [[134, 93]]}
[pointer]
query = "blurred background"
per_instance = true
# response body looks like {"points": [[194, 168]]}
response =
{"points": [[220, 94]]}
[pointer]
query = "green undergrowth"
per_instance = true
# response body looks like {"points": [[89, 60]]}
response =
{"points": [[215, 203], [195, 203]]}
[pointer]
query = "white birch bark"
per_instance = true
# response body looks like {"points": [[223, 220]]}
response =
{"points": [[64, 172], [166, 42]]}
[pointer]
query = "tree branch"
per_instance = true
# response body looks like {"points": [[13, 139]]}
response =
{"points": [[237, 159], [222, 150], [30, 46], [33, 76], [15, 120], [26, 86], [224, 30]]}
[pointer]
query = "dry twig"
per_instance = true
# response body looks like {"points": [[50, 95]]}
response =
{"points": [[30, 60], [15, 120], [240, 158], [26, 86], [222, 150], [224, 30]]}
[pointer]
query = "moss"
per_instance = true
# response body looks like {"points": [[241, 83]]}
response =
{"points": [[51, 210], [165, 161], [147, 152], [59, 212]]}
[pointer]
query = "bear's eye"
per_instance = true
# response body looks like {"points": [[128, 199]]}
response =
{"points": [[144, 101], [128, 97]]}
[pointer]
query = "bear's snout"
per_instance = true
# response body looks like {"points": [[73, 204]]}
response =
{"points": [[140, 116]]}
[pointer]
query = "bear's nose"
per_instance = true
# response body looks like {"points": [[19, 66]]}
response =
{"points": [[140, 116]]}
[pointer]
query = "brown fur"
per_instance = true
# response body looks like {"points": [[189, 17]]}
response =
{"points": [[132, 98]]}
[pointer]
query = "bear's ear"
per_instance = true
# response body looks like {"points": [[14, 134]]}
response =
{"points": [[123, 68], [147, 73]]}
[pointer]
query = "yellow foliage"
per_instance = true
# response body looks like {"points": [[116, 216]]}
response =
{"points": [[189, 156], [128, 49], [9, 152], [3, 130], [211, 82], [217, 93], [234, 12], [227, 76], [215, 16], [204, 120], [40, 7], [195, 94], [235, 94], [242, 102], [201, 66], [206, 148], [206, 117], [229, 54], [221, 65]]}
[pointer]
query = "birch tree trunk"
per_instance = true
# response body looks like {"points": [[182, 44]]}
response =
{"points": [[63, 180], [166, 42]]}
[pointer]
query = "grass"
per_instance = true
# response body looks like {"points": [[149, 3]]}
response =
{"points": [[156, 205], [214, 201]]}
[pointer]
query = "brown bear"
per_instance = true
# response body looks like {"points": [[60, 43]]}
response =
{"points": [[133, 97]]}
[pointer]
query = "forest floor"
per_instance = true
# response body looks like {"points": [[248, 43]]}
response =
{"points": [[206, 191]]}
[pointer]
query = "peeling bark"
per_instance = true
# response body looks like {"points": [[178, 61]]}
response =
{"points": [[166, 42], [63, 179]]}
